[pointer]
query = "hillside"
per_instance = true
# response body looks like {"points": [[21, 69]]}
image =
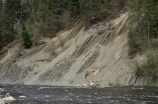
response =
{"points": [[76, 56]]}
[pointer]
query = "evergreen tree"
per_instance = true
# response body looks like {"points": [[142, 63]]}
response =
{"points": [[9, 20], [26, 9], [54, 9], [48, 10], [73, 7], [35, 7], [10, 17], [26, 37], [92, 9], [42, 13], [144, 19], [49, 13], [17, 9], [1, 6]]}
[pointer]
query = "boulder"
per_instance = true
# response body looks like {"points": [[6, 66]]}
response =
{"points": [[8, 98], [22, 96]]}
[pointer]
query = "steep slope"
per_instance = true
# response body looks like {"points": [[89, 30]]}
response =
{"points": [[96, 56]]}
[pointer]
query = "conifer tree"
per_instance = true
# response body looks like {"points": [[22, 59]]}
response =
{"points": [[26, 37], [26, 9], [17, 9], [144, 19], [1, 6], [54, 9], [91, 9], [42, 13], [11, 14], [48, 10], [35, 7], [9, 20], [73, 7]]}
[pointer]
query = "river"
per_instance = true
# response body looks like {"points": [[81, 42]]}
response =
{"points": [[82, 95]]}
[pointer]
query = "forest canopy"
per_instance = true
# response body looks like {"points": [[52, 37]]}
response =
{"points": [[47, 17]]}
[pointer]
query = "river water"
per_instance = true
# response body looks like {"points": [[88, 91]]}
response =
{"points": [[82, 95]]}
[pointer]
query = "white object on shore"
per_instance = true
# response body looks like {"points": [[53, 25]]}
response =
{"points": [[10, 98], [22, 96]]}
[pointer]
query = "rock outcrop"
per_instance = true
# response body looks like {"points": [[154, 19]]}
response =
{"points": [[77, 56]]}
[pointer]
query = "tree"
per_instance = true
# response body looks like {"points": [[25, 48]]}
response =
{"points": [[48, 10], [92, 9], [35, 7], [54, 10], [26, 37], [144, 20], [9, 20], [149, 11], [49, 13], [73, 7], [10, 17], [26, 9], [1, 14], [42, 13]]}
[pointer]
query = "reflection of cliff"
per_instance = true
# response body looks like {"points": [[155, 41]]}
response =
{"points": [[76, 56]]}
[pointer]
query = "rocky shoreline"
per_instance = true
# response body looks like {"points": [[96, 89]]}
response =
{"points": [[5, 99]]}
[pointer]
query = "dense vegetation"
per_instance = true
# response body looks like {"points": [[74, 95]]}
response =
{"points": [[149, 68], [46, 17], [143, 35], [143, 32]]}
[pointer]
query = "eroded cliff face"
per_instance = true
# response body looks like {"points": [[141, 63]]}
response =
{"points": [[96, 56]]}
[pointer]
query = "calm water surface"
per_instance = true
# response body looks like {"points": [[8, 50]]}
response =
{"points": [[82, 95]]}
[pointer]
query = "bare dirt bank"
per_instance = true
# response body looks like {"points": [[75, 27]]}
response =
{"points": [[96, 56]]}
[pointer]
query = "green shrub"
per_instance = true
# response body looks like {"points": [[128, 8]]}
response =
{"points": [[149, 67]]}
